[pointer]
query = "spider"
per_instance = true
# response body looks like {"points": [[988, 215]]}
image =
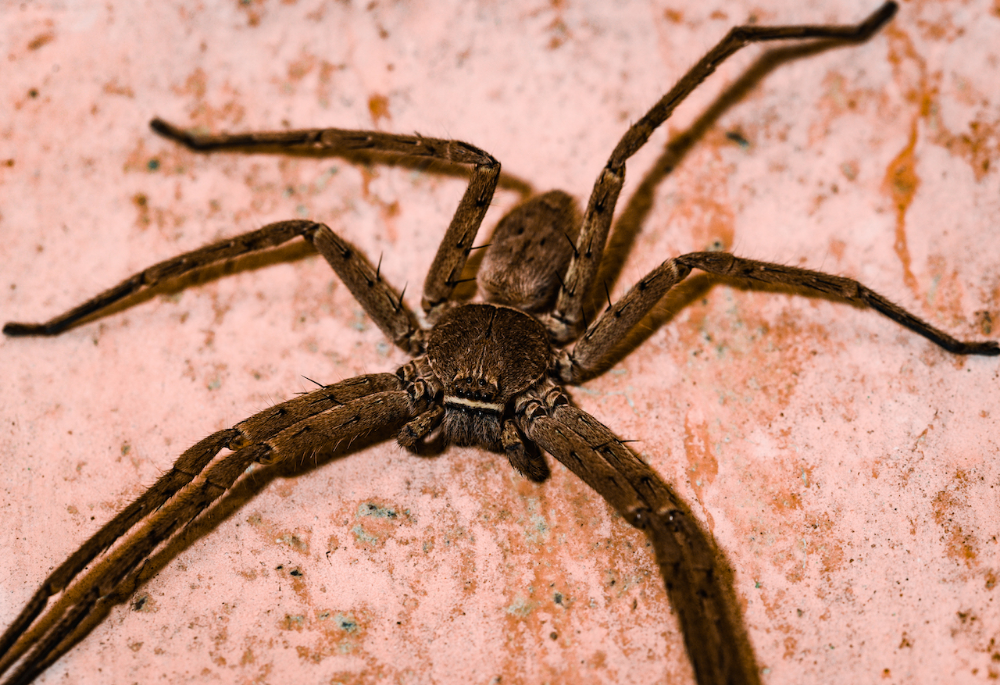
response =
{"points": [[485, 374]]}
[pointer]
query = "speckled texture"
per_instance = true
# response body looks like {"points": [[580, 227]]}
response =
{"points": [[848, 468]]}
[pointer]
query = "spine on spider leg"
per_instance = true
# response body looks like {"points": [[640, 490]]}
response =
{"points": [[579, 278], [616, 322], [455, 247], [375, 296]]}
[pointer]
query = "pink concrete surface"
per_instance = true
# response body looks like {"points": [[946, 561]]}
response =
{"points": [[848, 468]]}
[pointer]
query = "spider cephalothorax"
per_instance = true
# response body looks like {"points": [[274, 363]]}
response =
{"points": [[485, 374], [483, 356]]}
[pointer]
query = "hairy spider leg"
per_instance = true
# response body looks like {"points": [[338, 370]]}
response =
{"points": [[715, 640], [456, 244], [725, 264], [584, 361], [376, 297], [379, 300], [314, 422], [568, 317]]}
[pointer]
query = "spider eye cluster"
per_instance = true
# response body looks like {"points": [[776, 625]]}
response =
{"points": [[473, 388]]}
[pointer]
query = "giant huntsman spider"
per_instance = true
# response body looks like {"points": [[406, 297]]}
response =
{"points": [[488, 374]]}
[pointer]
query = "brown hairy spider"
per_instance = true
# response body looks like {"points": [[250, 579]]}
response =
{"points": [[484, 374]]}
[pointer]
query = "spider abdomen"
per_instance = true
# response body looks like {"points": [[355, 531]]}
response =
{"points": [[529, 252]]}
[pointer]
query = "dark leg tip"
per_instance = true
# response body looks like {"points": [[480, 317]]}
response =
{"points": [[178, 135], [531, 466], [165, 129], [20, 330], [407, 438], [879, 18], [989, 348]]}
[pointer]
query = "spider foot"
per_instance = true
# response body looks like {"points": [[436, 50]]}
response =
{"points": [[990, 348], [176, 134], [20, 330]]}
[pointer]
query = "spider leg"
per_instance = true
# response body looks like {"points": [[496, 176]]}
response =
{"points": [[378, 299], [420, 427], [263, 238], [699, 593], [454, 249], [601, 337], [184, 470], [525, 457], [568, 315], [534, 419], [584, 360], [725, 264], [215, 481], [304, 425]]}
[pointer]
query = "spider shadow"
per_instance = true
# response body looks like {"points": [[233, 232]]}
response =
{"points": [[629, 223], [246, 489]]}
